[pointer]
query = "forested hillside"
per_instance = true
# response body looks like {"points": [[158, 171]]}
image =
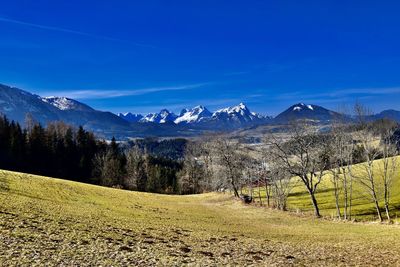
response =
{"points": [[62, 151]]}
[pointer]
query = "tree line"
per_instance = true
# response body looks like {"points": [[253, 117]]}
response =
{"points": [[59, 150]]}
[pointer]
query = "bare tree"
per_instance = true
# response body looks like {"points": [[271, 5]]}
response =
{"points": [[230, 161], [208, 159], [367, 143], [108, 169], [336, 182], [264, 175], [251, 175], [281, 185], [303, 155], [342, 147], [30, 122], [193, 172], [136, 173], [336, 164], [388, 168]]}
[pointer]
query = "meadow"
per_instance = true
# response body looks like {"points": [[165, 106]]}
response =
{"points": [[362, 207], [58, 222]]}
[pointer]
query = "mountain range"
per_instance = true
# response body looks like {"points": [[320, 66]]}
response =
{"points": [[231, 117], [16, 104]]}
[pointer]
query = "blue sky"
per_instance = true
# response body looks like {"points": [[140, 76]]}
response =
{"points": [[142, 56]]}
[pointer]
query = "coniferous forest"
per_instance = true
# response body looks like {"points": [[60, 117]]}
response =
{"points": [[62, 151]]}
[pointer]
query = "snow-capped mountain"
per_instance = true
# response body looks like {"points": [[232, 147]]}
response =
{"points": [[200, 117], [64, 103], [236, 114], [306, 111], [235, 117], [226, 118], [16, 104], [163, 116], [130, 117], [193, 115]]}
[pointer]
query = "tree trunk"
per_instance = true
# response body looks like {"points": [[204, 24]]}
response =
{"points": [[336, 190], [337, 204], [375, 198], [315, 204], [267, 195], [387, 211], [235, 189], [387, 202], [345, 194], [259, 191], [350, 196], [378, 211]]}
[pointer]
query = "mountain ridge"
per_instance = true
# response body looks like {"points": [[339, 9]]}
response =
{"points": [[239, 114], [16, 104]]}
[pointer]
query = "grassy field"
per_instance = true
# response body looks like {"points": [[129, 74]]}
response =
{"points": [[55, 222], [363, 209]]}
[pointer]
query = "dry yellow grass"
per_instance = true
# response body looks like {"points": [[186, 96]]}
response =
{"points": [[56, 222], [362, 207]]}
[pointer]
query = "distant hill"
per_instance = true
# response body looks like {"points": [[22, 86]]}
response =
{"points": [[308, 112], [388, 114]]}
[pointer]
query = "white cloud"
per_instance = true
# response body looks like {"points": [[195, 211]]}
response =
{"points": [[101, 94], [58, 29]]}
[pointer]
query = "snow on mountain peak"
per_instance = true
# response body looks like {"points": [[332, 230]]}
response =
{"points": [[196, 114], [59, 102], [300, 107], [200, 114], [162, 117], [241, 108], [183, 111], [64, 103], [239, 113]]}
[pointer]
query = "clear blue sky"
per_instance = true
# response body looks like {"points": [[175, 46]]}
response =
{"points": [[142, 56]]}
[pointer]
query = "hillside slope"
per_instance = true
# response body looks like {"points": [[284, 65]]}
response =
{"points": [[363, 208], [67, 223], [305, 111]]}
